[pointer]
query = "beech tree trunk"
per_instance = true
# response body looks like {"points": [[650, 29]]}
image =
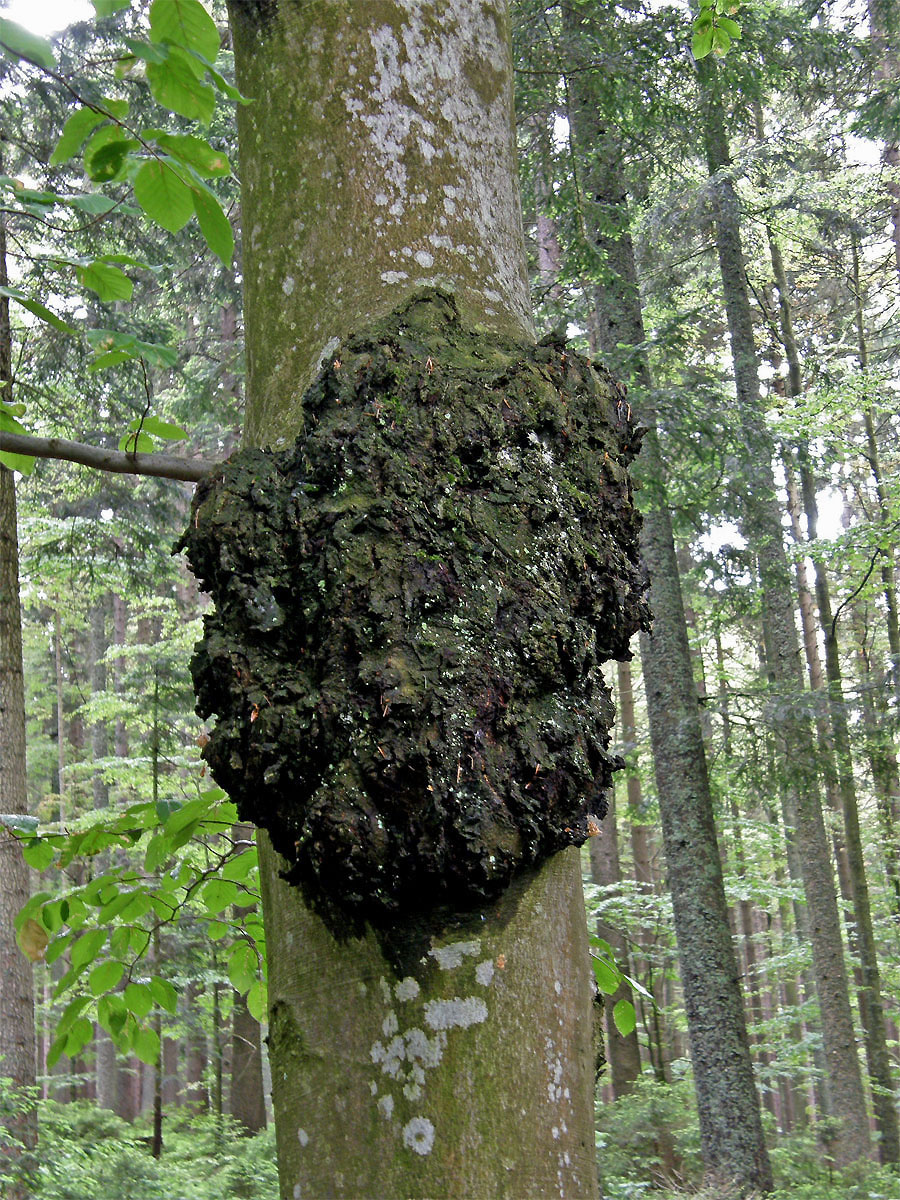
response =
{"points": [[378, 157], [762, 525], [734, 1150]]}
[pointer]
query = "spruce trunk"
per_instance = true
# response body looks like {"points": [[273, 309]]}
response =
{"points": [[762, 527]]}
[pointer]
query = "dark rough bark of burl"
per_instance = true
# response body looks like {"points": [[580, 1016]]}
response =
{"points": [[413, 604]]}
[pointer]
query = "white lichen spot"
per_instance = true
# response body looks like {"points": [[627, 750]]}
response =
{"points": [[555, 1132], [382, 982], [381, 199], [373, 1088], [298, 1191], [302, 1137], [391, 277], [450, 957], [557, 987], [376, 1053], [460, 1011], [407, 988], [423, 1049], [288, 284], [484, 972], [389, 1025], [386, 1107], [418, 1135], [412, 1091], [424, 259]]}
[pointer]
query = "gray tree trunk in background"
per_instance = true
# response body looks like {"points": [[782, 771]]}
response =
{"points": [[763, 530], [734, 1150], [17, 1044]]}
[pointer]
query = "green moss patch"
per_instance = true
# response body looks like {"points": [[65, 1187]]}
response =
{"points": [[412, 605]]}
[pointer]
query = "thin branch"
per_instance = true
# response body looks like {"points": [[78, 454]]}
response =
{"points": [[164, 466]]}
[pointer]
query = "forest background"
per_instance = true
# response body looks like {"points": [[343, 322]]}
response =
{"points": [[148, 950]]}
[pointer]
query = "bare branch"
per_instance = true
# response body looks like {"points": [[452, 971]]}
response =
{"points": [[164, 466]]}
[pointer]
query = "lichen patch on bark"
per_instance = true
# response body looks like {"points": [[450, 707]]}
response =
{"points": [[413, 604]]}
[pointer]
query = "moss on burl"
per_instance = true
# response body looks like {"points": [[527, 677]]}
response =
{"points": [[412, 606]]}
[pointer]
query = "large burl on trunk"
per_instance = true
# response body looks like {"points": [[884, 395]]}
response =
{"points": [[413, 603]]}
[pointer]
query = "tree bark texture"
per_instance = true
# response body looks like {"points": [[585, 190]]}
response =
{"points": [[378, 157], [762, 527], [733, 1145], [17, 1038], [623, 1053]]}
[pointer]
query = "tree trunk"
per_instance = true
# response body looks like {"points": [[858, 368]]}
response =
{"points": [[838, 755], [378, 157], [248, 1101], [734, 1150], [762, 527], [624, 1054], [17, 1040]]}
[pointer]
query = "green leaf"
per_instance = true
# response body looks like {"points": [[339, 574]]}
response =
{"points": [[242, 966], [186, 23], [158, 850], [214, 225], [608, 979], [624, 1017], [721, 41], [196, 152], [71, 1013], [54, 1054], [218, 894], [105, 977], [22, 463], [146, 1045], [138, 999], [19, 43], [75, 132], [38, 309], [239, 867], [731, 27], [79, 1035], [164, 994], [106, 154], [701, 43], [8, 422], [105, 8], [136, 443], [39, 854], [111, 1013], [159, 428], [257, 1001], [87, 948], [165, 808], [164, 197], [93, 203], [107, 281], [175, 86], [217, 930], [224, 86]]}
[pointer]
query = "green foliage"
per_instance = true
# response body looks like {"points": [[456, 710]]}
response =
{"points": [[105, 927], [88, 1153]]}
